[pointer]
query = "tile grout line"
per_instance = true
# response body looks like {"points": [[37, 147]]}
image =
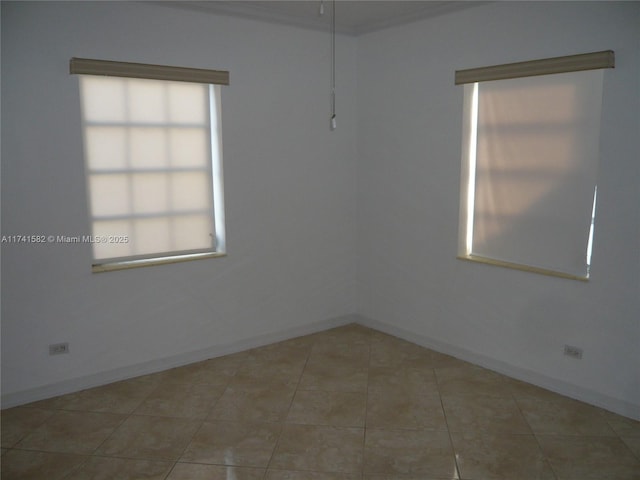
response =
{"points": [[366, 410], [446, 421], [210, 409], [283, 423], [535, 435]]}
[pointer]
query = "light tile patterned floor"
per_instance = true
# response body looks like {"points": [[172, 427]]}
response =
{"points": [[346, 404]]}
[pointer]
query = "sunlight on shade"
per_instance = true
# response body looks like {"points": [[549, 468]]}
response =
{"points": [[532, 150], [151, 150], [216, 161], [593, 221], [471, 186]]}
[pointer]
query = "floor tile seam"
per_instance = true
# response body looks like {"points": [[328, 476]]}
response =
{"points": [[240, 422], [636, 455], [189, 442], [322, 425], [522, 412], [446, 421], [402, 429], [490, 433], [147, 458], [173, 382], [488, 430], [573, 437], [546, 458], [82, 410], [578, 435], [633, 453], [214, 403], [97, 450], [540, 451], [637, 435], [327, 389], [524, 417], [285, 416], [156, 388], [92, 452], [119, 457], [125, 457], [563, 434], [555, 400], [175, 417], [366, 411], [173, 466], [218, 464], [52, 452], [298, 470], [23, 436], [74, 469], [408, 429], [409, 393]]}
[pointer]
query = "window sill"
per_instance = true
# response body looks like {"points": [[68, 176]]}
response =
{"points": [[149, 262], [526, 268]]}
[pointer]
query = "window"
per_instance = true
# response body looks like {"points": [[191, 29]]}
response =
{"points": [[529, 163], [153, 159]]}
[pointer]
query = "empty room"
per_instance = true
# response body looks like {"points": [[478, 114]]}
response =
{"points": [[320, 240]]}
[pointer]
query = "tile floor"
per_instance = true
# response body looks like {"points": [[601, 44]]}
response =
{"points": [[346, 404]]}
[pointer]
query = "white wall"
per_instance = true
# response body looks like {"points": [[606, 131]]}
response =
{"points": [[295, 192], [410, 282], [289, 182]]}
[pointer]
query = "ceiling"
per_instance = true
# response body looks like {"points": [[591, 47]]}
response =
{"points": [[353, 17]]}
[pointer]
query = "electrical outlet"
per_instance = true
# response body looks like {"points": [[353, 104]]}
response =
{"points": [[574, 352], [58, 348]]}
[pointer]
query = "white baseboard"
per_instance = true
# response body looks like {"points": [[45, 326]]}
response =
{"points": [[124, 373], [561, 387]]}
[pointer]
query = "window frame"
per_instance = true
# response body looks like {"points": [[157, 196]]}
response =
{"points": [[572, 63], [212, 78]]}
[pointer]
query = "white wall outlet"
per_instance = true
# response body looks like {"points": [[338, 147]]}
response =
{"points": [[58, 348]]}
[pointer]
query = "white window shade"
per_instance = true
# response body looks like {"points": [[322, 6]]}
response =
{"points": [[532, 149], [151, 151]]}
